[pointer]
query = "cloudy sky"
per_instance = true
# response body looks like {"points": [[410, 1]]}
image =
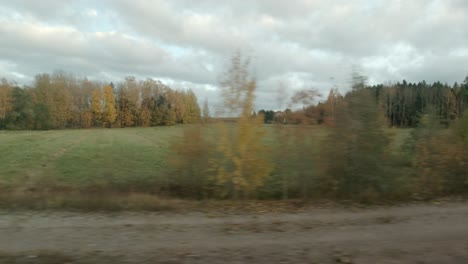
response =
{"points": [[187, 43]]}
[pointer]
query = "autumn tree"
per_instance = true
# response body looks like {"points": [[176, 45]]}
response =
{"points": [[83, 103], [53, 92], [422, 150], [81, 93], [356, 158], [167, 109], [439, 156], [43, 94], [243, 163], [178, 102], [147, 102], [128, 102], [96, 106], [206, 112], [109, 113], [192, 112], [6, 100]]}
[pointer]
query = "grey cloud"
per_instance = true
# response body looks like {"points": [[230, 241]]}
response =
{"points": [[41, 48], [304, 43], [42, 9]]}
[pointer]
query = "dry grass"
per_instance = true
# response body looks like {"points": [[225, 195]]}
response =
{"points": [[104, 200], [87, 201]]}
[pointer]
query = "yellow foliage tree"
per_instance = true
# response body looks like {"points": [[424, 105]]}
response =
{"points": [[5, 98], [192, 109], [53, 92], [63, 105], [110, 112], [147, 88], [244, 162], [87, 119]]}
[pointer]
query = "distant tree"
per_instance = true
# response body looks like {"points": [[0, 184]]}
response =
{"points": [[6, 100], [54, 92], [170, 116], [63, 98], [330, 107], [147, 88], [21, 115], [82, 101], [192, 112], [206, 112], [178, 101], [268, 116], [168, 109], [41, 117], [358, 81], [159, 108], [128, 98], [87, 119], [97, 107], [109, 113]]}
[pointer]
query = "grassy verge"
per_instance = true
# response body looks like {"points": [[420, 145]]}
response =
{"points": [[87, 201], [118, 169]]}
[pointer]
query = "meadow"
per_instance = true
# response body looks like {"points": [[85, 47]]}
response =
{"points": [[90, 162], [36, 165], [84, 157]]}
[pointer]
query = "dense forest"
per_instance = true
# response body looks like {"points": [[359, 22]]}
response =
{"points": [[60, 101], [403, 104]]}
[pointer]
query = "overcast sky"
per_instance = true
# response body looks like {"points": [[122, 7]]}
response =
{"points": [[187, 43]]}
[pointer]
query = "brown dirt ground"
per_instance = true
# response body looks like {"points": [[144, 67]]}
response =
{"points": [[424, 233]]}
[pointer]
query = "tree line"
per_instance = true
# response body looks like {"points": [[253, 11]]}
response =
{"points": [[403, 104], [59, 101]]}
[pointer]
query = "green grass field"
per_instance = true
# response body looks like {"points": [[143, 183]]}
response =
{"points": [[132, 160], [121, 157], [84, 157]]}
